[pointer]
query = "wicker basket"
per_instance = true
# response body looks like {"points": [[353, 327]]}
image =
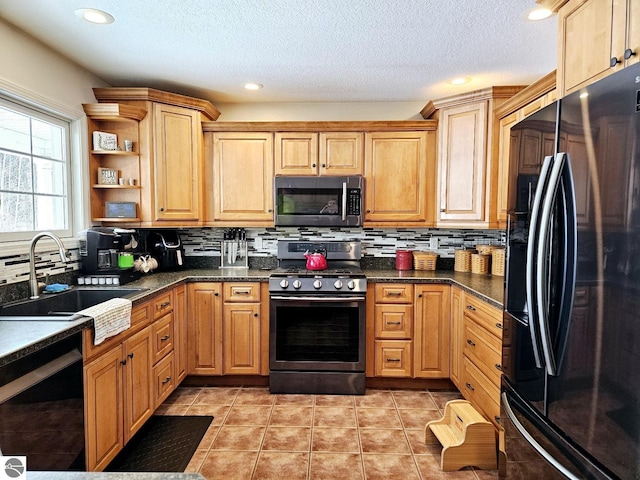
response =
{"points": [[497, 261], [463, 260], [485, 249], [424, 260], [480, 263]]}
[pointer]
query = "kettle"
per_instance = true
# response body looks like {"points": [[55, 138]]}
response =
{"points": [[316, 260]]}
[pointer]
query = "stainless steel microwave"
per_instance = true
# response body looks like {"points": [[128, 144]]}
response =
{"points": [[318, 201]]}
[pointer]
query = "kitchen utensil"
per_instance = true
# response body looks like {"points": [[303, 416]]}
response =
{"points": [[316, 260]]}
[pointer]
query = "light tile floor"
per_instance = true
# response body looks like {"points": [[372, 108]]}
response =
{"points": [[257, 435]]}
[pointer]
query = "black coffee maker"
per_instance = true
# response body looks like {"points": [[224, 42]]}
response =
{"points": [[100, 248]]}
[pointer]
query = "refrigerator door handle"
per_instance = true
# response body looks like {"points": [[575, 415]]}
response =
{"points": [[543, 241], [531, 264], [532, 441]]}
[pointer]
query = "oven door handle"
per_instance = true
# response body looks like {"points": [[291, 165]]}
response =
{"points": [[319, 298]]}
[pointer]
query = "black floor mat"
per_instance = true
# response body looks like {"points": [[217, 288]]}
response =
{"points": [[628, 418], [163, 444]]}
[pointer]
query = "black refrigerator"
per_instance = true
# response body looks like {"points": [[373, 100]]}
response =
{"points": [[570, 398]]}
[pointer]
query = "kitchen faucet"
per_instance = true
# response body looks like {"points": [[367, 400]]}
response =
{"points": [[33, 280]]}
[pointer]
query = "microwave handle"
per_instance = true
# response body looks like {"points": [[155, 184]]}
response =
{"points": [[344, 201]]}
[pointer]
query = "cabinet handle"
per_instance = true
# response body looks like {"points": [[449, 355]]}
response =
{"points": [[166, 337], [469, 386], [393, 359], [419, 295], [614, 61], [496, 418], [393, 323], [394, 294], [499, 325], [130, 355], [216, 294], [269, 210], [471, 307], [498, 367], [255, 314], [166, 380], [442, 210], [123, 362], [165, 304], [242, 292], [470, 342], [628, 53]]}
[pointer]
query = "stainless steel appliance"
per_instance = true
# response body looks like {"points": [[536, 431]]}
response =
{"points": [[100, 248], [317, 320], [571, 386], [42, 407], [318, 201], [166, 247]]}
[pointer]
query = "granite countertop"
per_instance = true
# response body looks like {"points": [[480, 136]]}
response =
{"points": [[112, 476], [18, 339]]}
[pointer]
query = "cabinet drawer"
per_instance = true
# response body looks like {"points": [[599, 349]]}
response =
{"points": [[484, 315], [241, 292], [394, 293], [163, 379], [394, 321], [162, 304], [481, 392], [393, 358], [483, 349], [162, 337]]}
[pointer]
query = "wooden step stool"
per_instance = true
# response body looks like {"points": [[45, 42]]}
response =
{"points": [[467, 438]]}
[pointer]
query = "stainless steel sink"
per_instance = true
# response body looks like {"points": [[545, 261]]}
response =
{"points": [[63, 306]]}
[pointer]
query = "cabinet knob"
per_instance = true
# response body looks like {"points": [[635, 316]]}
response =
{"points": [[162, 209], [471, 307], [368, 211], [469, 386], [313, 165], [216, 294], [130, 355], [614, 61], [499, 325], [165, 338], [498, 367], [471, 342], [496, 418], [166, 380], [628, 53], [324, 165], [442, 210], [269, 210], [123, 362], [255, 314], [419, 295]]}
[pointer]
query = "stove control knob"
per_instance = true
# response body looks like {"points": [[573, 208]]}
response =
{"points": [[297, 284], [284, 283], [338, 284], [351, 284], [317, 284]]}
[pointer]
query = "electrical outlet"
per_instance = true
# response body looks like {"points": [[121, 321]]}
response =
{"points": [[434, 243], [257, 243]]}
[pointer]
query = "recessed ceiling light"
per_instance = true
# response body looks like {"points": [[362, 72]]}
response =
{"points": [[95, 16], [539, 14], [253, 86], [460, 80]]}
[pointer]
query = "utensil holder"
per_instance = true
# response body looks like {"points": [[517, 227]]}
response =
{"points": [[233, 254]]}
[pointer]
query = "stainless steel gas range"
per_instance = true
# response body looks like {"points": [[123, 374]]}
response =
{"points": [[317, 320]]}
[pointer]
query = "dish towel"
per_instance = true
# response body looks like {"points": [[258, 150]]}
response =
{"points": [[109, 318]]}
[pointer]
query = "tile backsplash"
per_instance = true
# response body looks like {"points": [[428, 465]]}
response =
{"points": [[262, 242]]}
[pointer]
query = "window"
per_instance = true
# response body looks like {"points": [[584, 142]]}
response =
{"points": [[34, 172]]}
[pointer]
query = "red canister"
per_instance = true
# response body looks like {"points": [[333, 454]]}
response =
{"points": [[404, 259]]}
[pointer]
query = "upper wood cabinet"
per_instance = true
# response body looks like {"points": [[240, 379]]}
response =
{"points": [[526, 147], [399, 184], [170, 151], [468, 156], [239, 178], [596, 38], [325, 153]]}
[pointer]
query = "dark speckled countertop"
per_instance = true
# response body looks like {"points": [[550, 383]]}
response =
{"points": [[18, 339]]}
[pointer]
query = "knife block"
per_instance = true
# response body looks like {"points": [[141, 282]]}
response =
{"points": [[233, 254]]}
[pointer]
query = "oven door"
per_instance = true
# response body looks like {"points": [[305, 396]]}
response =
{"points": [[317, 333]]}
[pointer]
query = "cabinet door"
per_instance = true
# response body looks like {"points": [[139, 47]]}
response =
{"points": [[241, 330], [243, 177], [103, 384], [177, 160], [462, 164], [431, 332], [204, 328], [180, 332], [296, 153], [456, 350], [138, 405], [396, 177], [340, 153]]}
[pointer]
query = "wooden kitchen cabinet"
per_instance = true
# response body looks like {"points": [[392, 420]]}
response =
{"points": [[118, 396], [180, 332], [169, 148], [468, 140], [456, 329], [123, 121], [240, 185], [204, 328], [241, 329], [324, 153], [399, 178], [596, 38], [431, 335]]}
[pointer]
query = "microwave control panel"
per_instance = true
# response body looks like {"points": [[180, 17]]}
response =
{"points": [[354, 201]]}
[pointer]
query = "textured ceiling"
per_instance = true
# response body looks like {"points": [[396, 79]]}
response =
{"points": [[301, 50]]}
